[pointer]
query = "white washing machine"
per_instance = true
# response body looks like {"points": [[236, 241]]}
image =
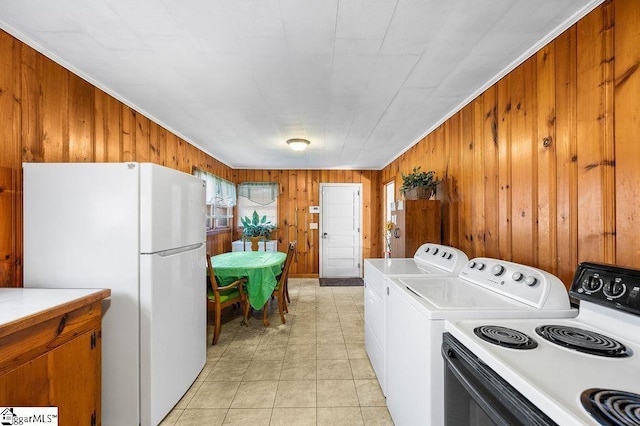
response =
{"points": [[572, 371], [429, 260], [416, 310]]}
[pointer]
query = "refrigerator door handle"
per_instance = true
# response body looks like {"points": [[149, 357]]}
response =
{"points": [[178, 250]]}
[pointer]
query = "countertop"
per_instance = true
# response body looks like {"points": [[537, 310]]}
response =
{"points": [[23, 307]]}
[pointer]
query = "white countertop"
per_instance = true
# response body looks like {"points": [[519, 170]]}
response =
{"points": [[18, 303]]}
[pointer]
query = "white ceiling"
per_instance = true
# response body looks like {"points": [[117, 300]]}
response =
{"points": [[363, 80]]}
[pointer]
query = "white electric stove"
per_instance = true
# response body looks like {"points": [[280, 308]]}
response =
{"points": [[416, 310], [580, 371], [429, 260]]}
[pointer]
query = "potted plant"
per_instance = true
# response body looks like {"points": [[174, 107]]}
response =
{"points": [[256, 228], [419, 185]]}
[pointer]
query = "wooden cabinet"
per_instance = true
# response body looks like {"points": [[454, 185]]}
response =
{"points": [[417, 222], [53, 358]]}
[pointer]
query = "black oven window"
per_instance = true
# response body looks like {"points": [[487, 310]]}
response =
{"points": [[476, 396]]}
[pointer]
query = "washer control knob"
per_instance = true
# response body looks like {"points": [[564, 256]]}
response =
{"points": [[435, 251], [444, 254], [517, 276], [497, 270], [472, 264], [449, 256], [531, 281], [481, 266]]}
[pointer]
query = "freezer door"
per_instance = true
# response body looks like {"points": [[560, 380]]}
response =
{"points": [[173, 335], [81, 225], [172, 209]]}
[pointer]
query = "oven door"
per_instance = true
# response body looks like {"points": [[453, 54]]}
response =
{"points": [[475, 395]]}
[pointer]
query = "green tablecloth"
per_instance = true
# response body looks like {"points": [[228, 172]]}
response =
{"points": [[259, 267]]}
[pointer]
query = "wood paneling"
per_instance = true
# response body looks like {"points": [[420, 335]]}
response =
{"points": [[219, 242], [566, 155], [542, 168], [627, 132], [596, 187]]}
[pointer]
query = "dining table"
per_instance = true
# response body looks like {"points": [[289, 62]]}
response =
{"points": [[261, 268]]}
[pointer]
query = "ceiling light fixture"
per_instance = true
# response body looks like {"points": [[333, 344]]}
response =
{"points": [[298, 144]]}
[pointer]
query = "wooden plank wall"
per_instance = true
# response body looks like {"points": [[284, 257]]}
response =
{"points": [[300, 189], [543, 167], [48, 114]]}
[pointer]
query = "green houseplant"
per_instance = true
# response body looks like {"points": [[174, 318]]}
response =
{"points": [[418, 184], [256, 226]]}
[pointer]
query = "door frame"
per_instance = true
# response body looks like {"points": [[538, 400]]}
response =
{"points": [[359, 187]]}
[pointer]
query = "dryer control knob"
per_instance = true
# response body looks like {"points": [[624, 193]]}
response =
{"points": [[531, 281], [435, 251], [472, 264], [481, 266], [517, 276]]}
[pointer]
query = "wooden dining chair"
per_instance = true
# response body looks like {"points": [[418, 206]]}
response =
{"points": [[279, 290], [255, 243], [292, 251], [221, 297]]}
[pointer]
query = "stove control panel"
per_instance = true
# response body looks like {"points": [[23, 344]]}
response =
{"points": [[527, 284], [608, 285]]}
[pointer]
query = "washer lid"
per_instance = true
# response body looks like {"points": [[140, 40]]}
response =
{"points": [[405, 266], [454, 294]]}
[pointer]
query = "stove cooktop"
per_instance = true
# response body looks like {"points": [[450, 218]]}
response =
{"points": [[583, 371]]}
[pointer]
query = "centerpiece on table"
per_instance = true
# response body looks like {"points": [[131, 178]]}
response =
{"points": [[256, 228], [419, 185]]}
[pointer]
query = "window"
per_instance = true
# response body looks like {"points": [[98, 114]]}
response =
{"points": [[389, 201], [220, 199], [259, 196]]}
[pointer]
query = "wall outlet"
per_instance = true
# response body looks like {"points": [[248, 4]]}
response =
{"points": [[313, 225]]}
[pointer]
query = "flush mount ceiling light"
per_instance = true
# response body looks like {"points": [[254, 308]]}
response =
{"points": [[298, 144]]}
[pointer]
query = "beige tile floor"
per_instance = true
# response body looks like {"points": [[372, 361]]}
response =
{"points": [[313, 370]]}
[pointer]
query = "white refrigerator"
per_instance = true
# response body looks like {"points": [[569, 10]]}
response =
{"points": [[138, 229]]}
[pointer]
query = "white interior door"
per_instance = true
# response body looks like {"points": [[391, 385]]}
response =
{"points": [[340, 225]]}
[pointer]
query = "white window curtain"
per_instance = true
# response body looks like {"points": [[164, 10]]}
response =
{"points": [[262, 193], [220, 192], [220, 199], [258, 196]]}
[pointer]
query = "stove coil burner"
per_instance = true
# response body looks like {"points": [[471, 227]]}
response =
{"points": [[506, 337], [583, 341], [612, 407]]}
